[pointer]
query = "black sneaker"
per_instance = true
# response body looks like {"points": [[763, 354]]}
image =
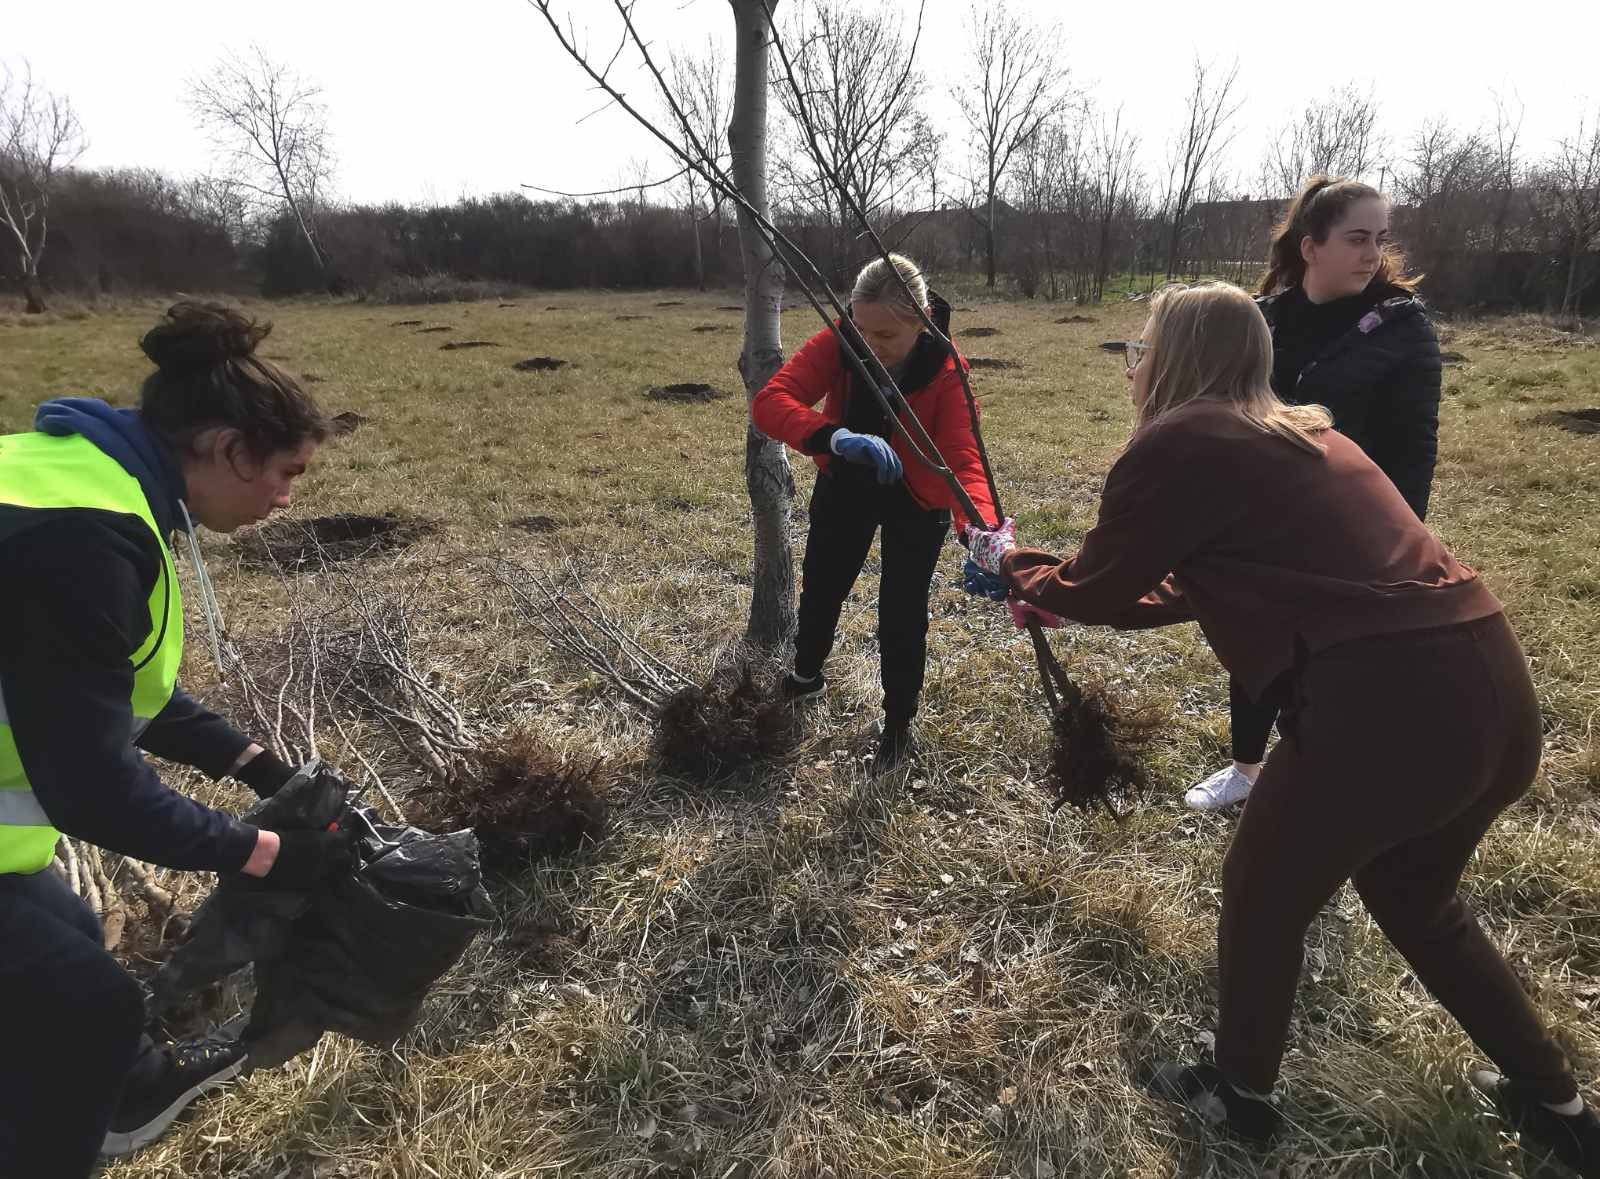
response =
{"points": [[192, 1067], [1205, 1092], [895, 745], [1572, 1138], [796, 688]]}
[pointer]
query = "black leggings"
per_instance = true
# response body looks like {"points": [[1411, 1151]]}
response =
{"points": [[74, 1033], [1251, 724], [847, 509]]}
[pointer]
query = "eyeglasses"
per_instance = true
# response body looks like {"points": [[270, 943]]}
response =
{"points": [[1132, 350]]}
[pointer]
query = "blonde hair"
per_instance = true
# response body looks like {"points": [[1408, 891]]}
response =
{"points": [[1211, 341], [877, 284]]}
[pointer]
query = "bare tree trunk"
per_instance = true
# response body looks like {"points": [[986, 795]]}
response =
{"points": [[32, 290], [766, 467], [32, 295], [699, 257], [988, 237]]}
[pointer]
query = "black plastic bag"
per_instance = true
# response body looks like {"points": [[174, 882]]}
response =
{"points": [[245, 920], [358, 955]]}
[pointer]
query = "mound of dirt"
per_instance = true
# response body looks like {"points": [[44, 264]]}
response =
{"points": [[1574, 421], [313, 379], [505, 305], [979, 333], [455, 344], [730, 307], [535, 524], [347, 422], [990, 362], [1452, 358], [1076, 319], [426, 330], [686, 391], [712, 327], [524, 799], [732, 722], [406, 323], [556, 307], [295, 544], [539, 364], [671, 303], [627, 318]]}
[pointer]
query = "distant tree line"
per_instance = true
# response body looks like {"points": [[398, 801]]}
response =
{"points": [[1037, 189]]}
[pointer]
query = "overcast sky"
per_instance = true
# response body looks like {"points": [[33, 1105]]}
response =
{"points": [[432, 101]]}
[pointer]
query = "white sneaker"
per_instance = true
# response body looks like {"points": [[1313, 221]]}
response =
{"points": [[1225, 788]]}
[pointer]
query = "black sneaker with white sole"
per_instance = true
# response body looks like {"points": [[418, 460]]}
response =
{"points": [[1206, 1093], [796, 688], [190, 1068], [1573, 1138]]}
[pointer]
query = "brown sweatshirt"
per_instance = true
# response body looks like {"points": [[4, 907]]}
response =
{"points": [[1206, 518]]}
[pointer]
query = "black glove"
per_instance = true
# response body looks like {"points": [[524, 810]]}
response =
{"points": [[307, 858], [265, 773]]}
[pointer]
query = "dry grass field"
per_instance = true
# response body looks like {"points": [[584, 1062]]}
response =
{"points": [[806, 972]]}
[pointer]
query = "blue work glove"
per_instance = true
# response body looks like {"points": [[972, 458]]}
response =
{"points": [[869, 450], [982, 583]]}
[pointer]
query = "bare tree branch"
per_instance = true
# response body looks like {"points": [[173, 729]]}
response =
{"points": [[1016, 83], [40, 138], [1207, 131], [1333, 136], [271, 127]]}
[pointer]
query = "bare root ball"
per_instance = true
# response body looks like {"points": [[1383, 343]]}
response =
{"points": [[523, 797], [731, 722], [1090, 760]]}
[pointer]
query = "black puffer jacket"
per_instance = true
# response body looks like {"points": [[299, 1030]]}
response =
{"points": [[1380, 380]]}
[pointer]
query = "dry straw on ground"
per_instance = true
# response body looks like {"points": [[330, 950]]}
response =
{"points": [[929, 976]]}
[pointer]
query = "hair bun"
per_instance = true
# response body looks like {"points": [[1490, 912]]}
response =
{"points": [[195, 335]]}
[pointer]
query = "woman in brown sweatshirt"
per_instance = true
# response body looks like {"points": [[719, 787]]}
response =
{"points": [[1318, 587]]}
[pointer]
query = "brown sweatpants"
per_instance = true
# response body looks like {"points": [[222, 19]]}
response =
{"points": [[1403, 750]]}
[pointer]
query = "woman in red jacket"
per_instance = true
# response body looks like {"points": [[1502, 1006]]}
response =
{"points": [[1409, 716], [866, 481]]}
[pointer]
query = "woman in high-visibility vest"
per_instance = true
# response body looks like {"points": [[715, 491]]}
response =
{"points": [[91, 636]]}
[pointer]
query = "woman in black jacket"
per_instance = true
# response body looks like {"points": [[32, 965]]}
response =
{"points": [[1350, 334]]}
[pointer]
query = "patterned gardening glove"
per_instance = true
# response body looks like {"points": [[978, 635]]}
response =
{"points": [[988, 549]]}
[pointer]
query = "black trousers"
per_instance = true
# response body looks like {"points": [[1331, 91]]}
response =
{"points": [[1251, 722], [847, 508], [74, 1030]]}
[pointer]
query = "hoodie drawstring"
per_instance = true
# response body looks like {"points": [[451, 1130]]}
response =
{"points": [[215, 627]]}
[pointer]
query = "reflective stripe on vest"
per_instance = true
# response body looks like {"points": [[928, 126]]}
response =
{"points": [[40, 472], [19, 808]]}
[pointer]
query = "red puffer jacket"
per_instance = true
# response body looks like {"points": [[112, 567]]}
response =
{"points": [[785, 410]]}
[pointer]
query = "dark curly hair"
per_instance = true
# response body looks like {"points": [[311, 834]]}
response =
{"points": [[208, 375]]}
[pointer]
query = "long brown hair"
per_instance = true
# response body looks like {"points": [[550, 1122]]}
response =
{"points": [[1211, 341], [1320, 206], [208, 375]]}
